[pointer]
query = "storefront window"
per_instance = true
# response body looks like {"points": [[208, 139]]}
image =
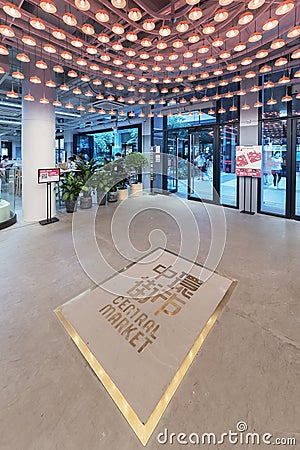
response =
{"points": [[197, 117], [105, 144]]}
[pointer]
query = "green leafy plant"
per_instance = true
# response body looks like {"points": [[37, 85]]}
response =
{"points": [[134, 163], [120, 174], [85, 171], [71, 187]]}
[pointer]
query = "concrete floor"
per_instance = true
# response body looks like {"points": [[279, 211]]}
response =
{"points": [[247, 369]]}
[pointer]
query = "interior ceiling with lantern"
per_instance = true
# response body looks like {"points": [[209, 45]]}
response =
{"points": [[107, 57]]}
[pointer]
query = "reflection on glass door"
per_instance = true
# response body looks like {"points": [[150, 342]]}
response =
{"points": [[274, 142], [177, 157], [228, 179], [297, 184], [201, 159]]}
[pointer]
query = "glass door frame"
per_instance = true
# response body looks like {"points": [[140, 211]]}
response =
{"points": [[293, 180], [216, 162], [290, 195]]}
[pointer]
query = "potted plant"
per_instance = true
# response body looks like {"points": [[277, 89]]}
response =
{"points": [[112, 195], [103, 182], [134, 163], [121, 178], [85, 171], [71, 187]]}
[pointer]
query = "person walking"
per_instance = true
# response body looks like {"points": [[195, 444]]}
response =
{"points": [[276, 169]]}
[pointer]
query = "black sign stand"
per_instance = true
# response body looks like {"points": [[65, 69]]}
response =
{"points": [[152, 171], [244, 186], [49, 218]]}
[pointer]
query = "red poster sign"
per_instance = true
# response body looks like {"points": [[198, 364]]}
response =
{"points": [[249, 161], [48, 175]]}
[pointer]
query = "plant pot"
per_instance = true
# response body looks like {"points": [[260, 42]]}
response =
{"points": [[112, 197], [85, 202], [122, 194], [136, 189], [101, 198], [71, 205]]}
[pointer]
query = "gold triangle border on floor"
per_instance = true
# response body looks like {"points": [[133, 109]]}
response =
{"points": [[144, 431]]}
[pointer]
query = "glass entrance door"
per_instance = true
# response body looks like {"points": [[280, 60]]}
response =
{"points": [[274, 180], [176, 164], [296, 168], [201, 174]]}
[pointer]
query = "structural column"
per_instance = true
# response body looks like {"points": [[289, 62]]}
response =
{"points": [[38, 151], [249, 136]]}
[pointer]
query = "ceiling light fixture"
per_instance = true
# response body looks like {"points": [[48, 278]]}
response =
{"points": [[208, 28], [284, 7], [195, 14], [218, 42], [69, 19], [82, 5], [118, 28], [250, 74], [58, 69], [6, 31], [49, 48], [255, 37], [232, 32], [149, 25], [12, 10], [91, 50], [277, 43], [294, 32], [161, 45], [134, 14], [146, 42], [35, 79], [270, 23], [103, 37], [132, 36], [246, 61], [182, 26], [50, 84], [76, 42], [59, 34], [29, 98], [88, 29], [118, 3], [245, 18], [48, 6], [164, 31], [41, 64], [23, 57], [221, 15], [254, 4], [102, 16]]}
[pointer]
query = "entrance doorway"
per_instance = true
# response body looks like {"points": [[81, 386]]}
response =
{"points": [[280, 184], [201, 157], [200, 163]]}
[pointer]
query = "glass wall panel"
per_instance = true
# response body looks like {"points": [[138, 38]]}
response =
{"points": [[273, 106], [228, 180], [297, 188], [182, 120], [103, 145], [274, 143]]}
